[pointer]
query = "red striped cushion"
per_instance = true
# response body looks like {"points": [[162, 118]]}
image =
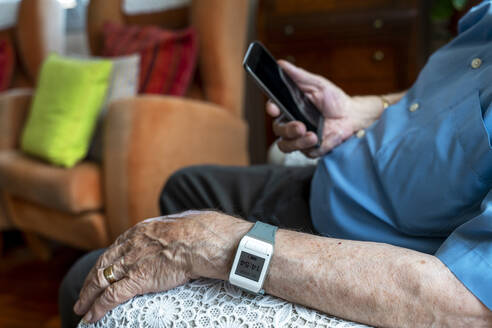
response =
{"points": [[7, 63], [167, 58]]}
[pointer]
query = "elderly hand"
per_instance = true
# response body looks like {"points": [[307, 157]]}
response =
{"points": [[343, 114], [160, 254]]}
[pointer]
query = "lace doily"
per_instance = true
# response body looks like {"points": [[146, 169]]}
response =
{"points": [[213, 303]]}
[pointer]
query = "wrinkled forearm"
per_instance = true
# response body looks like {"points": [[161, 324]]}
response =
{"points": [[373, 283], [377, 284]]}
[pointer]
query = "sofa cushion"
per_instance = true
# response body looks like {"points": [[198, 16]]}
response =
{"points": [[71, 190]]}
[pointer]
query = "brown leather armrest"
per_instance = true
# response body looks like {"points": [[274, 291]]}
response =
{"points": [[222, 27], [14, 107], [98, 13], [40, 31], [147, 138]]}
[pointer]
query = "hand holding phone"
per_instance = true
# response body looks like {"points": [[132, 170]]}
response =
{"points": [[327, 111]]}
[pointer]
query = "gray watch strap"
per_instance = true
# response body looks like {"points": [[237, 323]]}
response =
{"points": [[263, 231]]}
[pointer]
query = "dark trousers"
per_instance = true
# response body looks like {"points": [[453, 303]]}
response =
{"points": [[274, 194]]}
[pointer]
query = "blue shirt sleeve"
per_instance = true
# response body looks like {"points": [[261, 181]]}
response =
{"points": [[467, 252]]}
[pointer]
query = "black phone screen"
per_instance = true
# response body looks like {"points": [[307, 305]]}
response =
{"points": [[265, 69], [250, 266]]}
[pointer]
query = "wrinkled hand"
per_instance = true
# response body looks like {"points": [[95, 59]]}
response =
{"points": [[343, 114], [157, 255]]}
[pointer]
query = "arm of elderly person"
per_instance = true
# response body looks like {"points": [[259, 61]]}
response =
{"points": [[372, 283]]}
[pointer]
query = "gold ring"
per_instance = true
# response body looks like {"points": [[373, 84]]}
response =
{"points": [[109, 274]]}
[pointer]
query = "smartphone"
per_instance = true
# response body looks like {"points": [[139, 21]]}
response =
{"points": [[281, 89]]}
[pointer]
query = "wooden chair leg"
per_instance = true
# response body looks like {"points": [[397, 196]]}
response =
{"points": [[37, 245]]}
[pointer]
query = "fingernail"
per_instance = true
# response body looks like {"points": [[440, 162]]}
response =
{"points": [[87, 317]]}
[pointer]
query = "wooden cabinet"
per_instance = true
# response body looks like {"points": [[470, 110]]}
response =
{"points": [[364, 46]]}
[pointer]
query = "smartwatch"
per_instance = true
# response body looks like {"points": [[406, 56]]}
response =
{"points": [[252, 259]]}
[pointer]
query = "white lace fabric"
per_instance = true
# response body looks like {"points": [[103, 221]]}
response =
{"points": [[214, 303]]}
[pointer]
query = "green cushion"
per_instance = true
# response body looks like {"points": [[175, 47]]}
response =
{"points": [[68, 98]]}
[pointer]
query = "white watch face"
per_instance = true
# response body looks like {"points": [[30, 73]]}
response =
{"points": [[251, 264]]}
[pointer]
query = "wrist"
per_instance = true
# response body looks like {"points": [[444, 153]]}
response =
{"points": [[214, 249], [385, 101], [368, 109]]}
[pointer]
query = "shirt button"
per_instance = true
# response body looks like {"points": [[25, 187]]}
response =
{"points": [[476, 63], [360, 133], [413, 107]]}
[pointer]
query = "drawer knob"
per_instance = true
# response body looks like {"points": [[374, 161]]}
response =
{"points": [[378, 55], [288, 30], [378, 24]]}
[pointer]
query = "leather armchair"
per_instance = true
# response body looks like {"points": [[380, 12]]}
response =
{"points": [[145, 138], [39, 30]]}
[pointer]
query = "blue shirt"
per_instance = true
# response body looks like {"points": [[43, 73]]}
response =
{"points": [[421, 176]]}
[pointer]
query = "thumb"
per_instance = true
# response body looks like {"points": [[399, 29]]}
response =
{"points": [[301, 77], [117, 293]]}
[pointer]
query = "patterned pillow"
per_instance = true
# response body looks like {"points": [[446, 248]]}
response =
{"points": [[7, 63], [167, 58]]}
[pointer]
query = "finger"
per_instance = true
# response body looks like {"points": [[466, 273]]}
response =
{"points": [[128, 255], [117, 293], [104, 260], [281, 119], [91, 290], [304, 143], [92, 275], [120, 268], [112, 253], [272, 109], [330, 141], [97, 282], [290, 130], [298, 75], [315, 152]]}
